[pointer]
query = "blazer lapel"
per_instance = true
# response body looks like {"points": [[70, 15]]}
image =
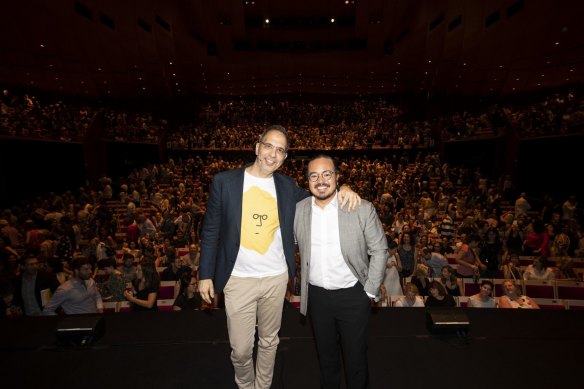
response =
{"points": [[344, 239], [307, 222], [281, 199], [238, 198]]}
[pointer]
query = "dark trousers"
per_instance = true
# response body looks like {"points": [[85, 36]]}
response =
{"points": [[340, 318]]}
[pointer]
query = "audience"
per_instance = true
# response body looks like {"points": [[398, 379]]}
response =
{"points": [[539, 270], [188, 297], [79, 294], [483, 299], [411, 297], [144, 288], [438, 297], [513, 297], [429, 207]]}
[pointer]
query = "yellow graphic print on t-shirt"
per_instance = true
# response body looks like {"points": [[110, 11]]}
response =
{"points": [[259, 220]]}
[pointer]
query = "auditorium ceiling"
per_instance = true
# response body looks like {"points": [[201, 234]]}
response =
{"points": [[171, 48]]}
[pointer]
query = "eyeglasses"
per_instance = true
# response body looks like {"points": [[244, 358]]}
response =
{"points": [[326, 175], [269, 147]]}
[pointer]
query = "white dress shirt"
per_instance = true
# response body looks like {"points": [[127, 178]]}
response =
{"points": [[328, 268]]}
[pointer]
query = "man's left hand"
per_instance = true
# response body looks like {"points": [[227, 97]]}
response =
{"points": [[347, 195]]}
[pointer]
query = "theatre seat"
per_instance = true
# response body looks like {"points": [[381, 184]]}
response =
{"points": [[182, 251], [295, 301], [165, 305], [110, 306], [498, 283], [469, 287], [166, 290], [545, 303], [124, 306], [570, 289], [577, 305], [539, 289]]}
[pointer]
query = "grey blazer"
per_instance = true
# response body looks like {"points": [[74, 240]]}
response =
{"points": [[363, 245]]}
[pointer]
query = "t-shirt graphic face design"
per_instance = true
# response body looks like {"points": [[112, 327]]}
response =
{"points": [[259, 220]]}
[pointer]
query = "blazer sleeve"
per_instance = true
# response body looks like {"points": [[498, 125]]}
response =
{"points": [[210, 234], [376, 249]]}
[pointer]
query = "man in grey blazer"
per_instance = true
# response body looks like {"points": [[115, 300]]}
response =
{"points": [[343, 258]]}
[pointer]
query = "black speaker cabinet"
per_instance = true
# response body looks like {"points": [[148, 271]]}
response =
{"points": [[80, 330], [447, 320]]}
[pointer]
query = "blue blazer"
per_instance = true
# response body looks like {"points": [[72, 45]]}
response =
{"points": [[222, 224]]}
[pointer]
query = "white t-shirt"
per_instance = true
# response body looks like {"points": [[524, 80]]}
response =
{"points": [[476, 302], [261, 252]]}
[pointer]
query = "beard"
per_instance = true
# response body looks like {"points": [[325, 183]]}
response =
{"points": [[325, 195]]}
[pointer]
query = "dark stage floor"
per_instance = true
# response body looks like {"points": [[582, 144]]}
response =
{"points": [[503, 349]]}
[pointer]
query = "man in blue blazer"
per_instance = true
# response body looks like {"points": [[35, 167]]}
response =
{"points": [[343, 259], [247, 251]]}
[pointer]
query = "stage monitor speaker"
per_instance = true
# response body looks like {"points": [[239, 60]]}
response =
{"points": [[447, 321], [80, 330]]}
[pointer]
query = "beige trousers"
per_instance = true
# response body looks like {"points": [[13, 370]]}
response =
{"points": [[249, 301]]}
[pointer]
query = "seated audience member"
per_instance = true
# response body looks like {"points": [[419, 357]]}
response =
{"points": [[511, 268], [513, 298], [539, 270], [411, 297], [420, 279], [145, 288], [6, 297], [560, 246], [192, 257], [55, 266], [438, 297], [537, 240], [173, 263], [6, 251], [391, 280], [564, 269], [450, 281], [78, 295], [110, 281], [484, 298], [434, 260], [31, 285], [128, 269], [579, 251], [188, 298]]}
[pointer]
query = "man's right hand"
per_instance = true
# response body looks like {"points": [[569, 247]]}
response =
{"points": [[207, 291]]}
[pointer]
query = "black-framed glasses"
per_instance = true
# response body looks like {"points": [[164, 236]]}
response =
{"points": [[326, 175], [269, 147]]}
